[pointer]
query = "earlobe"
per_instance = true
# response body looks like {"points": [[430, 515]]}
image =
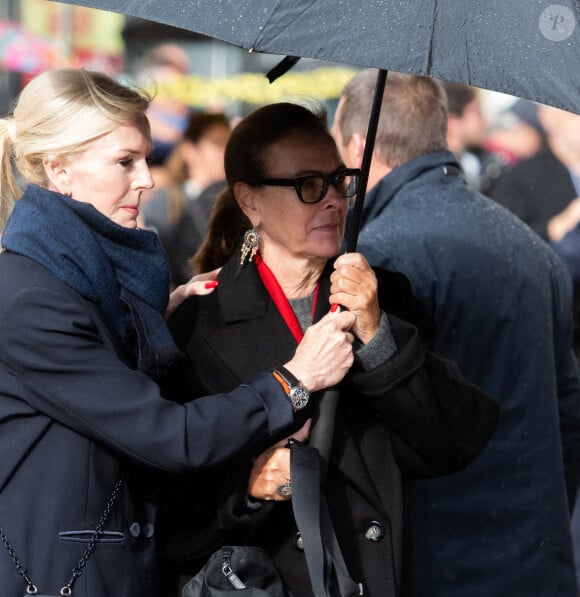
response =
{"points": [[246, 198], [243, 195], [359, 143], [58, 175]]}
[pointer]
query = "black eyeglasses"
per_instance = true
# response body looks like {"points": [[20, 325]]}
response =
{"points": [[313, 187]]}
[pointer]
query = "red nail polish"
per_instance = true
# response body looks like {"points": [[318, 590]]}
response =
{"points": [[211, 284], [334, 307]]}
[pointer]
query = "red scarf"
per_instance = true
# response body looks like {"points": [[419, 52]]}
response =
{"points": [[277, 295]]}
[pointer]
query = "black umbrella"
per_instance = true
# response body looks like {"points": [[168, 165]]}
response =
{"points": [[526, 48]]}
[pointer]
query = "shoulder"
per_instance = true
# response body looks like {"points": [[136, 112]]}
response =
{"points": [[535, 167], [30, 293], [18, 271]]}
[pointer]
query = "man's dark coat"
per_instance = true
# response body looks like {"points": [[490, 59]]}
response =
{"points": [[502, 302]]}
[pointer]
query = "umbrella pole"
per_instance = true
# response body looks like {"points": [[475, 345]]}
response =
{"points": [[322, 432], [366, 161]]}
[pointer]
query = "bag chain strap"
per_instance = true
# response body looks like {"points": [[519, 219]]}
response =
{"points": [[66, 591]]}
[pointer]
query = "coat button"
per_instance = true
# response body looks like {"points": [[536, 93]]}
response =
{"points": [[375, 532], [135, 530], [148, 530], [299, 542]]}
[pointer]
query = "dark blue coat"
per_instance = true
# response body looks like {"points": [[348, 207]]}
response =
{"points": [[73, 417], [502, 302]]}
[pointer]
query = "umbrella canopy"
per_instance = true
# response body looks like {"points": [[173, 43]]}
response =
{"points": [[24, 52], [527, 48]]}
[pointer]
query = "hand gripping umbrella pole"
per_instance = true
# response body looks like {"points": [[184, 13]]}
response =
{"points": [[322, 431]]}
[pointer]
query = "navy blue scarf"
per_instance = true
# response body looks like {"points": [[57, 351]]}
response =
{"points": [[121, 269]]}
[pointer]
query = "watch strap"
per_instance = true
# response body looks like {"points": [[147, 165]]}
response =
{"points": [[290, 379]]}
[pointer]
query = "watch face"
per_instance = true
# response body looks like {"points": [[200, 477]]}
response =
{"points": [[299, 397]]}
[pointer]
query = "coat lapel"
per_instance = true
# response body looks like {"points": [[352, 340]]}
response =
{"points": [[253, 337]]}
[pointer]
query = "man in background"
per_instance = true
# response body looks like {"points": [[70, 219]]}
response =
{"points": [[466, 127]]}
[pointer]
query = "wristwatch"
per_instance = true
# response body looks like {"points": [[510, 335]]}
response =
{"points": [[296, 392]]}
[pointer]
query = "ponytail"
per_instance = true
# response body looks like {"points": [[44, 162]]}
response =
{"points": [[9, 189], [225, 232]]}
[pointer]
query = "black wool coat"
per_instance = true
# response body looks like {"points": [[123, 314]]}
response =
{"points": [[413, 416]]}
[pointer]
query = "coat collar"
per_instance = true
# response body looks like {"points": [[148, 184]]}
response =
{"points": [[383, 192]]}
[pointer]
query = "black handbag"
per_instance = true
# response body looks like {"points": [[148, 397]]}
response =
{"points": [[250, 569], [236, 568]]}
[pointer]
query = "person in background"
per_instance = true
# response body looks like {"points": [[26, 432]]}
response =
{"points": [[403, 411], [514, 134], [164, 64], [568, 248], [466, 128], [502, 303], [179, 212], [84, 427], [167, 115], [543, 190]]}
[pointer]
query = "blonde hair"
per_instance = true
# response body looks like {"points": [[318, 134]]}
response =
{"points": [[56, 115]]}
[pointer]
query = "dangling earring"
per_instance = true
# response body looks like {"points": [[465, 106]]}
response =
{"points": [[250, 245]]}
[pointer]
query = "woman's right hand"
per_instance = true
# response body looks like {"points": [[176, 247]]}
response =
{"points": [[324, 355]]}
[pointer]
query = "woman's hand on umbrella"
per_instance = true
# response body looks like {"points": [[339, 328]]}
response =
{"points": [[324, 355], [353, 285], [200, 284], [270, 476]]}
